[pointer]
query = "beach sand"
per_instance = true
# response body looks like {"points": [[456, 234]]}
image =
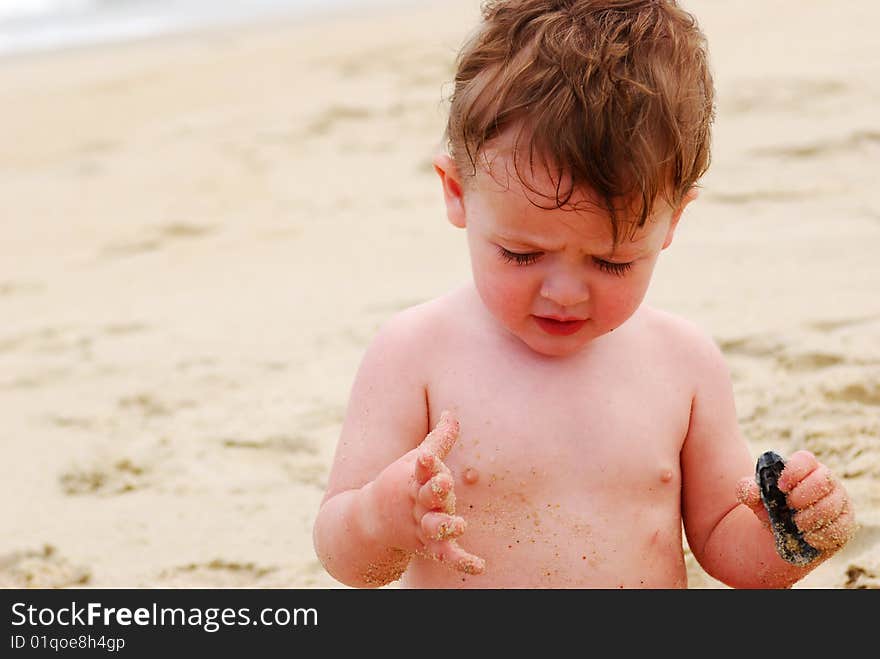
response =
{"points": [[200, 234]]}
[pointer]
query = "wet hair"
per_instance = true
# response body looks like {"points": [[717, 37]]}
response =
{"points": [[614, 95]]}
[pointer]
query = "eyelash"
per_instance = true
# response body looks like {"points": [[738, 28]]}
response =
{"points": [[519, 259], [617, 269]]}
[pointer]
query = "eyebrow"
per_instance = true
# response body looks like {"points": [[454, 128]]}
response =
{"points": [[631, 251], [615, 252], [531, 244]]}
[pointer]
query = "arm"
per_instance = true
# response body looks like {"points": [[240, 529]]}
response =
{"points": [[389, 494], [725, 524]]}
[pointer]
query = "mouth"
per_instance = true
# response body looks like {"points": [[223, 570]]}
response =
{"points": [[560, 327]]}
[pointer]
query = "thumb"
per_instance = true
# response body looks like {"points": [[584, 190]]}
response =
{"points": [[442, 438], [748, 494]]}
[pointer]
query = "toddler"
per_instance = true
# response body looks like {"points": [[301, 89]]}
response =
{"points": [[541, 427]]}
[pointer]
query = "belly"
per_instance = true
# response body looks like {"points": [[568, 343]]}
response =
{"points": [[557, 537]]}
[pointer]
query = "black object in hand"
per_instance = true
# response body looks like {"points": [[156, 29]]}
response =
{"points": [[790, 543]]}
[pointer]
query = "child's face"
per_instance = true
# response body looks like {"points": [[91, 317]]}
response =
{"points": [[531, 266]]}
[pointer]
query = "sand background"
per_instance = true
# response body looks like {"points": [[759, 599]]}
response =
{"points": [[199, 235]]}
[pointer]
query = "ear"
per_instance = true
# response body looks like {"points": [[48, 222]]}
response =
{"points": [[689, 196], [452, 189]]}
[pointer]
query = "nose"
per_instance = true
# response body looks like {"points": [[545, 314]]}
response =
{"points": [[565, 289]]}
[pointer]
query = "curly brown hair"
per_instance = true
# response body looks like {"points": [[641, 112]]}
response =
{"points": [[614, 95]]}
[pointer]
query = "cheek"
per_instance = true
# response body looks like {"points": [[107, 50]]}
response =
{"points": [[505, 291], [616, 300]]}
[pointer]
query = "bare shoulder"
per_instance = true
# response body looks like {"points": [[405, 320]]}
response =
{"points": [[409, 343], [673, 329], [387, 412], [683, 340], [400, 351], [416, 330]]}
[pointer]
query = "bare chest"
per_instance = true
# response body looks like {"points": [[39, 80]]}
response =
{"points": [[607, 425], [566, 479]]}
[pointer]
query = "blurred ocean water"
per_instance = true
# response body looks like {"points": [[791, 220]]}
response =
{"points": [[40, 25]]}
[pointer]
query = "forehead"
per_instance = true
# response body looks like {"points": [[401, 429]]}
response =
{"points": [[521, 199]]}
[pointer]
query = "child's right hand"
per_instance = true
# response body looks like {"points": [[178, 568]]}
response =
{"points": [[413, 502]]}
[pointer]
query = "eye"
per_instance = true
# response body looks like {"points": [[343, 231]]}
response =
{"points": [[618, 269], [519, 259]]}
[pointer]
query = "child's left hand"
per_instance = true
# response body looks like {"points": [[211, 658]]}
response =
{"points": [[824, 511]]}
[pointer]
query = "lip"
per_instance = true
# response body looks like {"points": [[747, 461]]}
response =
{"points": [[560, 326]]}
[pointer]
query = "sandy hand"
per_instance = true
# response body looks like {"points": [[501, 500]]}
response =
{"points": [[824, 512], [434, 509]]}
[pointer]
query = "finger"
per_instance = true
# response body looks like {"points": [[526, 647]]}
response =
{"points": [[442, 438], [449, 552], [428, 466], [440, 526], [835, 534], [798, 466], [748, 494], [449, 503], [823, 512], [432, 495], [815, 486]]}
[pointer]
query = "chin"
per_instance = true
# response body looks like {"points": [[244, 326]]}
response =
{"points": [[556, 348]]}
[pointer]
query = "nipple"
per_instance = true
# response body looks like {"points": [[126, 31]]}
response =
{"points": [[666, 475], [470, 476]]}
